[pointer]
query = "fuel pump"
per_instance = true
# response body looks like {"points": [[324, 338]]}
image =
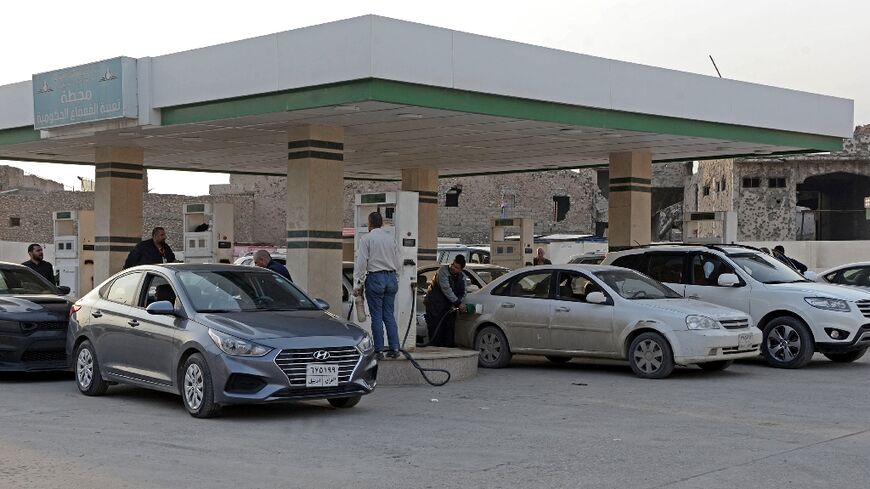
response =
{"points": [[508, 253], [208, 233], [399, 210], [74, 250]]}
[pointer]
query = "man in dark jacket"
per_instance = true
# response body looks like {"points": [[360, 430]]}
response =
{"points": [[779, 254], [151, 251], [263, 259], [37, 264], [445, 293]]}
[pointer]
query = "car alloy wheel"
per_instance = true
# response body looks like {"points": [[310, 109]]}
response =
{"points": [[648, 356], [784, 343], [490, 347], [193, 386], [85, 368]]}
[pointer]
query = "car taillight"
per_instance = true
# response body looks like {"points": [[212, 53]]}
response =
{"points": [[74, 309]]}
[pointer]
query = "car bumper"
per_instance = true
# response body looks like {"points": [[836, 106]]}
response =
{"points": [[37, 351], [859, 340], [240, 380], [701, 346]]}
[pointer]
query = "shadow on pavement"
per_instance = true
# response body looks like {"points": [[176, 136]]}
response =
{"points": [[27, 377]]}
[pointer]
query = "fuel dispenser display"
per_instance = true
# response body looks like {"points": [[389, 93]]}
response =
{"points": [[399, 210], [511, 254]]}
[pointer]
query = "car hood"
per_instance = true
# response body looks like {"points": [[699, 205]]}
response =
{"points": [[692, 306], [815, 289], [34, 303], [281, 324]]}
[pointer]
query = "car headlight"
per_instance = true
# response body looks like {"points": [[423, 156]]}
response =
{"points": [[366, 345], [702, 322], [237, 346], [828, 304]]}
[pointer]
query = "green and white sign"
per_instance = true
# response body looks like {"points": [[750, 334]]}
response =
{"points": [[88, 93]]}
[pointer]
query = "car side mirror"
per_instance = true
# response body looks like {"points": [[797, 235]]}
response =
{"points": [[596, 298], [812, 276], [728, 280], [322, 304], [161, 308], [63, 290]]}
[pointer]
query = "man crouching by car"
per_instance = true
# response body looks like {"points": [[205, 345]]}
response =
{"points": [[444, 295]]}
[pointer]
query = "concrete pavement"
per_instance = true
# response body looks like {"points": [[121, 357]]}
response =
{"points": [[532, 425]]}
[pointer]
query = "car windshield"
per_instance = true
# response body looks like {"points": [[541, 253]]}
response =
{"points": [[632, 285], [13, 282], [234, 291], [766, 269], [490, 274]]}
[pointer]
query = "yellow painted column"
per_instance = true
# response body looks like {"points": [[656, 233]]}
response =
{"points": [[315, 210], [119, 190], [630, 203], [425, 182]]}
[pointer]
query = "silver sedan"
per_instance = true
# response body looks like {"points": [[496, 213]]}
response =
{"points": [[565, 311]]}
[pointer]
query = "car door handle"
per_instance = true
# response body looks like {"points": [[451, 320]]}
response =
{"points": [[694, 296], [133, 323], [563, 309], [507, 305], [97, 314]]}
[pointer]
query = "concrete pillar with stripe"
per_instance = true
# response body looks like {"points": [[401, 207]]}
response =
{"points": [[315, 210], [119, 193], [630, 206], [425, 182]]}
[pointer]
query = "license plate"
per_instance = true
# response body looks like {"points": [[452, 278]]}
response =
{"points": [[321, 375], [744, 341]]}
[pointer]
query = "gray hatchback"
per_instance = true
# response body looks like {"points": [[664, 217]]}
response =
{"points": [[217, 335]]}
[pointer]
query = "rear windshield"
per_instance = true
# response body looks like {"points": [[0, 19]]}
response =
{"points": [[23, 282]]}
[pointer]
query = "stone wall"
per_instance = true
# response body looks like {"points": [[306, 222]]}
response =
{"points": [[479, 202], [36, 225], [15, 178]]}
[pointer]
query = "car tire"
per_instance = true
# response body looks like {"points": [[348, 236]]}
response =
{"points": [[716, 366], [197, 390], [787, 343], [650, 356], [558, 359], [344, 402], [89, 379], [846, 357], [493, 346]]}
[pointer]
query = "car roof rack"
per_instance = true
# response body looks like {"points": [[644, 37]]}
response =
{"points": [[718, 246], [733, 245]]}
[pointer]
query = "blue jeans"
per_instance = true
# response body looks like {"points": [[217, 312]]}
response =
{"points": [[381, 291]]}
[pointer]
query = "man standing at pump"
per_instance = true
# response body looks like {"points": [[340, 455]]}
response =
{"points": [[38, 264], [151, 251], [378, 261], [444, 295]]}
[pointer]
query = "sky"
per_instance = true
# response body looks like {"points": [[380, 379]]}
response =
{"points": [[816, 46]]}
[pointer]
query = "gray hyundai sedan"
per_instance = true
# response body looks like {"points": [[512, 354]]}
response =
{"points": [[217, 335]]}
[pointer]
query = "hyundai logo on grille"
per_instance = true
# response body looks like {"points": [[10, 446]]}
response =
{"points": [[321, 355]]}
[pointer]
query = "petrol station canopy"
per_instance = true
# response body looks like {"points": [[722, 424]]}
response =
{"points": [[409, 95]]}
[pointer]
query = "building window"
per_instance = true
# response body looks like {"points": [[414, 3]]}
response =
{"points": [[722, 184], [561, 206], [452, 197], [777, 182], [14, 222], [751, 182], [706, 190]]}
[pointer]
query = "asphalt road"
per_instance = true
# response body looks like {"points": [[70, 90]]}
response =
{"points": [[531, 425]]}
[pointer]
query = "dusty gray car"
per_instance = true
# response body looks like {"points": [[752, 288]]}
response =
{"points": [[217, 335], [565, 311]]}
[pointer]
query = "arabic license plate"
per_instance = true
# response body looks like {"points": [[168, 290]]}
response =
{"points": [[321, 375], [744, 341]]}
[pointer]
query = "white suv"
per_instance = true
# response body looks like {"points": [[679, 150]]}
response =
{"points": [[798, 317]]}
